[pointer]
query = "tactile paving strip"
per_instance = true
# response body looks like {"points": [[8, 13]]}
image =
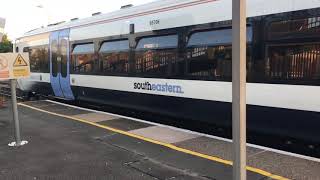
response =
{"points": [[95, 117], [164, 134]]}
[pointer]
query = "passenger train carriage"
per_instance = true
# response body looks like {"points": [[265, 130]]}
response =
{"points": [[173, 57]]}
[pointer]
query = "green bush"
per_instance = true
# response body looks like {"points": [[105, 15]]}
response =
{"points": [[6, 45]]}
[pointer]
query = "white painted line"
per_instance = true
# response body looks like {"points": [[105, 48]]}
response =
{"points": [[196, 133]]}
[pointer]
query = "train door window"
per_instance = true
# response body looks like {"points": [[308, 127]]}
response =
{"points": [[293, 63], [64, 43], [209, 54], [83, 58], [155, 56], [54, 51], [114, 56]]}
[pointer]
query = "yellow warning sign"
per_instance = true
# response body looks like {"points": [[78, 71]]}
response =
{"points": [[19, 61], [20, 67]]}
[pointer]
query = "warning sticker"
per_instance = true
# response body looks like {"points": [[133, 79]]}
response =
{"points": [[20, 67], [14, 66], [19, 61]]}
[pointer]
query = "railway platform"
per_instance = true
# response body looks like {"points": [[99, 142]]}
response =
{"points": [[68, 142]]}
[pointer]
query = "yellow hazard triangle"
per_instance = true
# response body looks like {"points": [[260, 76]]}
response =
{"points": [[19, 61]]}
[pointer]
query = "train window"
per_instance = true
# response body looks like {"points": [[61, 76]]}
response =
{"points": [[160, 42], [34, 58], [54, 55], [39, 61], [307, 27], [113, 46], [26, 49], [83, 49], [293, 62], [209, 54], [215, 38], [155, 56], [83, 58], [114, 57]]}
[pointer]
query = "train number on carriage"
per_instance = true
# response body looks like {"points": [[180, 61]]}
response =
{"points": [[154, 22]]}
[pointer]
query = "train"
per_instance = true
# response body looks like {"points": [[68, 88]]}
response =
{"points": [[174, 58]]}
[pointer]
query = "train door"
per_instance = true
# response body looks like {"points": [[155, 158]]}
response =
{"points": [[60, 64]]}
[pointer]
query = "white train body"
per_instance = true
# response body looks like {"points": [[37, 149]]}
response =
{"points": [[283, 70]]}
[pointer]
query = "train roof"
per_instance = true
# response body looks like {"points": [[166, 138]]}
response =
{"points": [[158, 4], [222, 11]]}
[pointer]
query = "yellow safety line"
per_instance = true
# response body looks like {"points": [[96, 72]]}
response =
{"points": [[212, 158]]}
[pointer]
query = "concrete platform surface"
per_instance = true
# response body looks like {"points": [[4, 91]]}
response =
{"points": [[73, 143]]}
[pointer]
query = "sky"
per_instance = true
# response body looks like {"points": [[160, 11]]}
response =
{"points": [[24, 15]]}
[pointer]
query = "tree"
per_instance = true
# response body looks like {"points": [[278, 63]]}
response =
{"points": [[6, 45]]}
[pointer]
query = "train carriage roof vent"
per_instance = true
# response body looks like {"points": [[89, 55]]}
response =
{"points": [[32, 30], [54, 24], [126, 6], [97, 13], [74, 19]]}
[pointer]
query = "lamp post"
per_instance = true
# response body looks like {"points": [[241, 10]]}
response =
{"points": [[239, 88]]}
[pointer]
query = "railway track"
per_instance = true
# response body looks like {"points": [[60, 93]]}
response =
{"points": [[5, 89]]}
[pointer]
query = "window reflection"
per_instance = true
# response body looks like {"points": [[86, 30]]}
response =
{"points": [[115, 62], [156, 56], [83, 63], [295, 62], [83, 58], [115, 57], [38, 56], [294, 28], [209, 54]]}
